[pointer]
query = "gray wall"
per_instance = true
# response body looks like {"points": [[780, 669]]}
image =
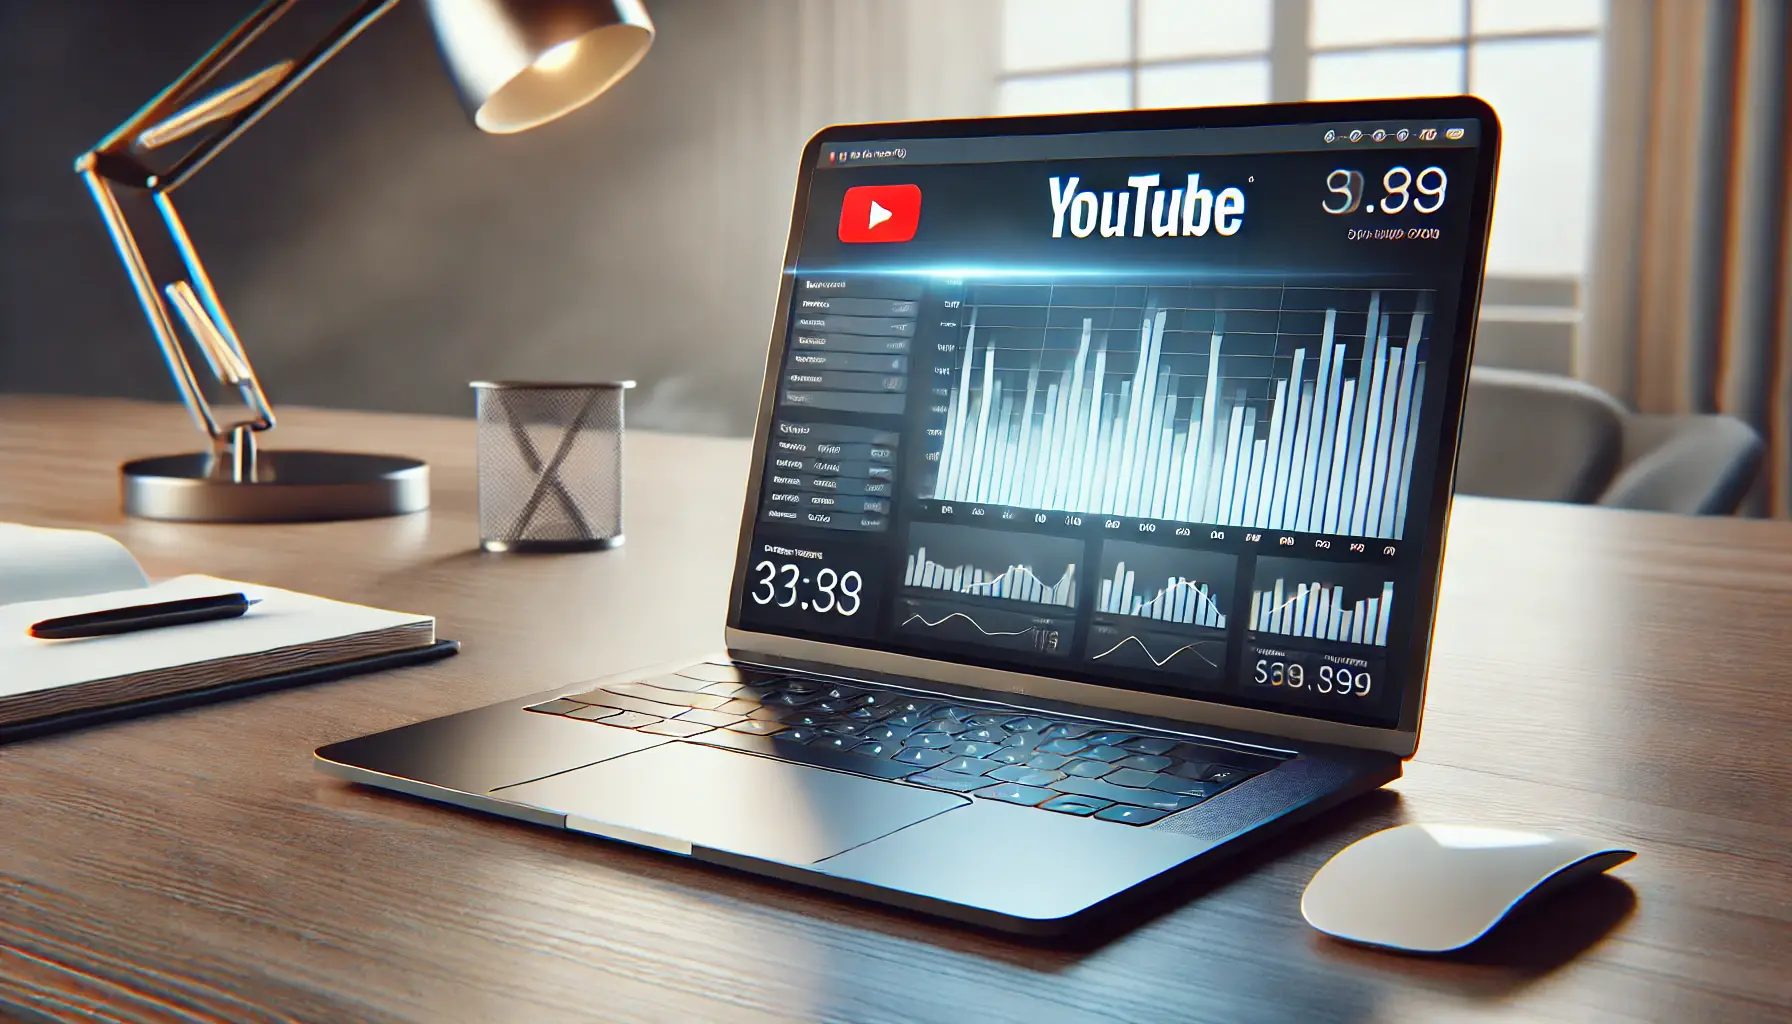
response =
{"points": [[376, 251]]}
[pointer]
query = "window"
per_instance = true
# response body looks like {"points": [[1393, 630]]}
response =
{"points": [[1536, 61]]}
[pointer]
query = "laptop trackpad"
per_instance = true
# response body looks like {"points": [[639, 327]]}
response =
{"points": [[682, 795]]}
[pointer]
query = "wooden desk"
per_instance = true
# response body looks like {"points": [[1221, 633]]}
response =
{"points": [[1616, 673]]}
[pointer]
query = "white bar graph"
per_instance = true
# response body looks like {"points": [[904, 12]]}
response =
{"points": [[1015, 583], [1320, 451], [1179, 600], [1318, 610]]}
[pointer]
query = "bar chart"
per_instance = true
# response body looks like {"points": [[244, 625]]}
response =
{"points": [[993, 564], [1193, 588], [1321, 601], [1263, 406]]}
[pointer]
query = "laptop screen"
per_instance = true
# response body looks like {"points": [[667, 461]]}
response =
{"points": [[1151, 409]]}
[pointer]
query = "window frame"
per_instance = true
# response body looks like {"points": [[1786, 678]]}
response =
{"points": [[1535, 329]]}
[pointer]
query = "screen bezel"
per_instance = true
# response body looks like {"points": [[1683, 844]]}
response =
{"points": [[1401, 738]]}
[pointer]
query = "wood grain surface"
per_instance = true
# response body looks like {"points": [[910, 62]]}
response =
{"points": [[1615, 673]]}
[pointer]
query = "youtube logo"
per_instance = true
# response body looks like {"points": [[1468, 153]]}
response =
{"points": [[880, 213]]}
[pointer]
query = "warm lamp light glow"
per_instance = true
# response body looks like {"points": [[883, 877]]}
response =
{"points": [[558, 57]]}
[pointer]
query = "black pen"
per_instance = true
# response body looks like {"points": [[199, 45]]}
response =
{"points": [[113, 621]]}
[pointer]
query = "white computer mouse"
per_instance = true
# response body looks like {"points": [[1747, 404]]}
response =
{"points": [[1437, 888]]}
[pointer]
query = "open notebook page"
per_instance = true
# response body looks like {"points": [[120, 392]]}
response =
{"points": [[37, 563], [282, 620]]}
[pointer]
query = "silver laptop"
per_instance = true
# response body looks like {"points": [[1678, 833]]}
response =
{"points": [[1101, 477]]}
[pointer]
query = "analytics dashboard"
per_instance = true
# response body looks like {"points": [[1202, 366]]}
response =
{"points": [[1156, 409]]}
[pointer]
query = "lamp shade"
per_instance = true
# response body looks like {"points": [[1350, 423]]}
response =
{"points": [[522, 63]]}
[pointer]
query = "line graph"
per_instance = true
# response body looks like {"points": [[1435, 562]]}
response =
{"points": [[962, 560], [958, 623], [1272, 407], [1193, 648], [1135, 647], [973, 623]]}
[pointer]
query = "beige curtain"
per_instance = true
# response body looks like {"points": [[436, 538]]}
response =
{"points": [[1688, 308]]}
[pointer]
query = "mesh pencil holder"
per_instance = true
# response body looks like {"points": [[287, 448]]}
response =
{"points": [[550, 465]]}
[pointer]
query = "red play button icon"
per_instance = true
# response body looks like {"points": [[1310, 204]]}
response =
{"points": [[880, 213]]}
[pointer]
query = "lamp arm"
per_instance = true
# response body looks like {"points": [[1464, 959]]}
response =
{"points": [[118, 161]]}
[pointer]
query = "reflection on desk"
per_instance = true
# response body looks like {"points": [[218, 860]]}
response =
{"points": [[1610, 673]]}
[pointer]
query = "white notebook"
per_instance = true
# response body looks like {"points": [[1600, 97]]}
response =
{"points": [[48, 573]]}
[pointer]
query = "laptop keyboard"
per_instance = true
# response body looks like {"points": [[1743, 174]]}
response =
{"points": [[986, 751]]}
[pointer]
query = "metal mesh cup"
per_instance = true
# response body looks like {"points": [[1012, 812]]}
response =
{"points": [[550, 465]]}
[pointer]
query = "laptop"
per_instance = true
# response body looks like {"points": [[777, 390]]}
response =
{"points": [[1099, 491]]}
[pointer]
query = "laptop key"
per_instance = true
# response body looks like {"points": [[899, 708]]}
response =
{"points": [[876, 748], [1224, 776], [1011, 755], [832, 742], [973, 749], [1135, 779], [1110, 739], [631, 720], [943, 725], [556, 707], [1122, 795], [710, 718], [922, 757], [846, 761], [928, 739], [715, 672], [1130, 815], [664, 696], [1081, 806], [621, 703], [1088, 769], [799, 735], [970, 766], [1066, 731], [949, 781], [906, 719], [676, 683], [1026, 724], [739, 707], [675, 727], [1146, 762], [757, 727], [1104, 753], [883, 732], [593, 713], [1150, 745], [728, 690], [1189, 787], [984, 735], [1012, 793], [1020, 774], [985, 721], [1061, 746], [1050, 762]]}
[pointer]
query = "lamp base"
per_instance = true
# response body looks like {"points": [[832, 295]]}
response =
{"points": [[288, 487]]}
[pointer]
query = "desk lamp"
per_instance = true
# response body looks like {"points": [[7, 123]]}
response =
{"points": [[515, 63]]}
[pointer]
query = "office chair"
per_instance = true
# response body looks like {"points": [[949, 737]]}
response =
{"points": [[1544, 437]]}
